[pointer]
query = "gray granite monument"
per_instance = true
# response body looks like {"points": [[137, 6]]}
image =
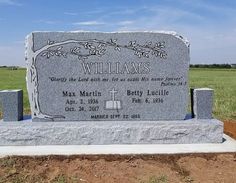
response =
{"points": [[107, 76], [111, 88]]}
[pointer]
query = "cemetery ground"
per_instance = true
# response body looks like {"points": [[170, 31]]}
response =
{"points": [[120, 169], [138, 168]]}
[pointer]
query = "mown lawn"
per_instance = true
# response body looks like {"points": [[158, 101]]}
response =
{"points": [[15, 79], [223, 81]]}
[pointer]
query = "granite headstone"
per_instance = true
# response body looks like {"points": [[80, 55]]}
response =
{"points": [[109, 88], [125, 76]]}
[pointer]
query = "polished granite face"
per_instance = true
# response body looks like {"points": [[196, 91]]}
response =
{"points": [[92, 76], [12, 102], [203, 103]]}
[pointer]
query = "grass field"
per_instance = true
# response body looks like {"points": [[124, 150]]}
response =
{"points": [[15, 79], [223, 81]]}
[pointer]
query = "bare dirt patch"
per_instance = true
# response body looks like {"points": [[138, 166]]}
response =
{"points": [[115, 168], [230, 128]]}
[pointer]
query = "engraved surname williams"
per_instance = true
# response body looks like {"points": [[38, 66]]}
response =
{"points": [[116, 68]]}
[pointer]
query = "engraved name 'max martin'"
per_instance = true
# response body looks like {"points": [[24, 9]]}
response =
{"points": [[113, 104]]}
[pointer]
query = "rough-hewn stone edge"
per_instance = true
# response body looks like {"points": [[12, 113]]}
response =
{"points": [[173, 33], [100, 132]]}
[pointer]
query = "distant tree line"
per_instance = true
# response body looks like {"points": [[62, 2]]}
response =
{"points": [[10, 67], [228, 66]]}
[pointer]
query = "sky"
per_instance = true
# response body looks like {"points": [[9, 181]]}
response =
{"points": [[209, 25]]}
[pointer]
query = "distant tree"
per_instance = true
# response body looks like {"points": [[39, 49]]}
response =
{"points": [[211, 66]]}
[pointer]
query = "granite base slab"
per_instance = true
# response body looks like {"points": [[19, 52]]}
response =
{"points": [[114, 132]]}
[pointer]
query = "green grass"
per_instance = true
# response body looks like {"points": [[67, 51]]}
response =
{"points": [[223, 81], [155, 179], [14, 79]]}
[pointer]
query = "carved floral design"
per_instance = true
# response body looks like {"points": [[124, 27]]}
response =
{"points": [[85, 49]]}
